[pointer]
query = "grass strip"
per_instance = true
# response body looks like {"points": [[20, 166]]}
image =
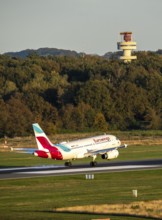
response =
{"points": [[36, 198]]}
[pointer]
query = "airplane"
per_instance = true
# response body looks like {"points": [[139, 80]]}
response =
{"points": [[105, 145]]}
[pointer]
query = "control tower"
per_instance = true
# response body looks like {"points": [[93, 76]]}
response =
{"points": [[127, 45]]}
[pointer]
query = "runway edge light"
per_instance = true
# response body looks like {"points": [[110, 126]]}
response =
{"points": [[127, 45]]}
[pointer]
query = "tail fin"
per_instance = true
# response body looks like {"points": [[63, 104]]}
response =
{"points": [[42, 140]]}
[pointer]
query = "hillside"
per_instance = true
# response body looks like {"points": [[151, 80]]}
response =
{"points": [[80, 93], [61, 52], [43, 52]]}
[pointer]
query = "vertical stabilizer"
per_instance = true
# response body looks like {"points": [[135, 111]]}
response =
{"points": [[42, 140]]}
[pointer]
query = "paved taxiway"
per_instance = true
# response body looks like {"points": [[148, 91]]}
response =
{"points": [[27, 172]]}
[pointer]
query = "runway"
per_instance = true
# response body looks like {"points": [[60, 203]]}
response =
{"points": [[39, 171]]}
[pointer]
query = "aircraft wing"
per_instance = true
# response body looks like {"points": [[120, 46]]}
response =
{"points": [[103, 151], [24, 150]]}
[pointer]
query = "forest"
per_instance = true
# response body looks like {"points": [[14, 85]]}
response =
{"points": [[79, 93]]}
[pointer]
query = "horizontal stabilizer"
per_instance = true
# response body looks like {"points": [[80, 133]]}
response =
{"points": [[23, 150]]}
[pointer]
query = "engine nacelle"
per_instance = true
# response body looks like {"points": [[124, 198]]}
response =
{"points": [[110, 155]]}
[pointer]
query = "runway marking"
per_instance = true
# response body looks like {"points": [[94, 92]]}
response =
{"points": [[91, 169], [27, 168]]}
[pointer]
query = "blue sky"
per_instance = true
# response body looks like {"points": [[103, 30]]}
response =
{"points": [[90, 26]]}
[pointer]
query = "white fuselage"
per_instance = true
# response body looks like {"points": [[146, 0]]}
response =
{"points": [[81, 148]]}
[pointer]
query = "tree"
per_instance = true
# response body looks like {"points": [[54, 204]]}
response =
{"points": [[96, 93], [152, 120], [80, 93], [100, 122], [130, 103], [19, 120], [3, 118]]}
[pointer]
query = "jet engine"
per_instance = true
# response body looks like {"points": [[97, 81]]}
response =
{"points": [[110, 155]]}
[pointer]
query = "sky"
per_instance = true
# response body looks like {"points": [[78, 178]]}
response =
{"points": [[89, 26]]}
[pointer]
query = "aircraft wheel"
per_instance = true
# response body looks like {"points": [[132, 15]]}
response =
{"points": [[93, 163], [68, 164]]}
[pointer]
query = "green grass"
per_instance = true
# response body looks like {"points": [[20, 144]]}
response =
{"points": [[141, 152], [36, 198], [131, 153]]}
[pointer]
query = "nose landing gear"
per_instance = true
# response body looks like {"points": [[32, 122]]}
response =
{"points": [[93, 163]]}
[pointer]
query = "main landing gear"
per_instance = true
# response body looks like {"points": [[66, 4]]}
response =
{"points": [[68, 164], [93, 163]]}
